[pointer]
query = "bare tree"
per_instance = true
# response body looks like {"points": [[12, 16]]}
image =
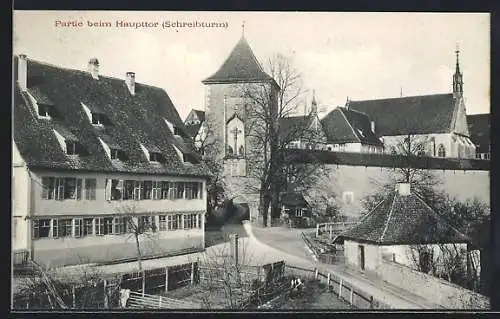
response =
{"points": [[267, 106], [138, 227]]}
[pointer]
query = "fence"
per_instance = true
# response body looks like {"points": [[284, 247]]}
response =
{"points": [[334, 227], [324, 253], [161, 279], [145, 301], [344, 290]]}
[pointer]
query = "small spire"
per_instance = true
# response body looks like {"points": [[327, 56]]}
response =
{"points": [[314, 105], [243, 29], [457, 52], [347, 102], [401, 91], [457, 77]]}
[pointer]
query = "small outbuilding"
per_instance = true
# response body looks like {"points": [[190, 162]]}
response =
{"points": [[295, 209], [402, 228]]}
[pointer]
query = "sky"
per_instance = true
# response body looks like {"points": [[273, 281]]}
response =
{"points": [[357, 55]]}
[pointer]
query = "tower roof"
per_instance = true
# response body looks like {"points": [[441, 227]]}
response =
{"points": [[240, 66]]}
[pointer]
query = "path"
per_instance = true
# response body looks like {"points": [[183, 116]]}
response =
{"points": [[294, 246]]}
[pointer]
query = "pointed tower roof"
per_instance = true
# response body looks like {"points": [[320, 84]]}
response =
{"points": [[240, 66]]}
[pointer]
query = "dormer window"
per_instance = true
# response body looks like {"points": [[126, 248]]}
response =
{"points": [[156, 157], [113, 150], [72, 148], [174, 129], [68, 141], [97, 119], [45, 111]]}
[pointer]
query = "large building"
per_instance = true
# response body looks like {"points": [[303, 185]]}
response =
{"points": [[90, 154], [438, 122]]}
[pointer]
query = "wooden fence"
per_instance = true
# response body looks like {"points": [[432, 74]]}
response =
{"points": [[161, 279], [333, 228], [344, 290], [138, 300]]}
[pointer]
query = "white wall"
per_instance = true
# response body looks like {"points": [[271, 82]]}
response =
{"points": [[446, 139], [100, 206], [372, 255], [20, 201]]}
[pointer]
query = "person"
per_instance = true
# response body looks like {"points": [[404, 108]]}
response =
{"points": [[124, 295]]}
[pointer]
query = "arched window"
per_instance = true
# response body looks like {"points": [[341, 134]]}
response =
{"points": [[229, 150], [441, 151], [241, 151]]}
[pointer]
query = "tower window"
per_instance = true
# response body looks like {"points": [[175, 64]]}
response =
{"points": [[441, 151]]}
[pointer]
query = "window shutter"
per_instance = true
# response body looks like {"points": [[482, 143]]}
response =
{"points": [[108, 189], [55, 228], [79, 189]]}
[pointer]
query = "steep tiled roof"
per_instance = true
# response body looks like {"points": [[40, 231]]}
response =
{"points": [[193, 129], [240, 66], [134, 120], [479, 129], [403, 220], [292, 127], [200, 115], [293, 199], [409, 115], [348, 126]]}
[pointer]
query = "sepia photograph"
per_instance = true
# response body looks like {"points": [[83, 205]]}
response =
{"points": [[250, 161]]}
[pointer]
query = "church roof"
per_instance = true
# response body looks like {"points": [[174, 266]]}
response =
{"points": [[348, 126], [479, 129], [403, 220], [240, 66], [425, 114], [133, 120]]}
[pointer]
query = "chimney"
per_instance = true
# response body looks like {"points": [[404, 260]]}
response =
{"points": [[93, 68], [373, 126], [403, 189], [22, 72], [130, 81]]}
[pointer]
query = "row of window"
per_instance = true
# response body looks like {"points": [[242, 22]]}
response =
{"points": [[60, 188], [100, 226], [156, 190]]}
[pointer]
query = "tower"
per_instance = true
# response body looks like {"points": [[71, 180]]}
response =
{"points": [[457, 78], [314, 104], [232, 119]]}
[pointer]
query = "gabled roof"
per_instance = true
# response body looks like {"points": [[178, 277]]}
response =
{"points": [[135, 120], [192, 130], [294, 199], [200, 115], [423, 114], [240, 66], [292, 127], [403, 220], [348, 126], [479, 129]]}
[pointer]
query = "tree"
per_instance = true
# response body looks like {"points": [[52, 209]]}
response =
{"points": [[423, 182], [267, 106], [207, 148], [138, 226]]}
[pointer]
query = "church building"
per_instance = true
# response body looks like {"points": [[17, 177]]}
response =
{"points": [[437, 121]]}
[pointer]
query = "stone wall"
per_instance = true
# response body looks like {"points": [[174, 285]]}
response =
{"points": [[431, 288]]}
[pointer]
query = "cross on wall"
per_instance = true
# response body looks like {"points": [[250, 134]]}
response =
{"points": [[235, 132]]}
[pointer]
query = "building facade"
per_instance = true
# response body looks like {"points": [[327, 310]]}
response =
{"points": [[94, 156]]}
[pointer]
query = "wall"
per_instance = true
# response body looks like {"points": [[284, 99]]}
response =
{"points": [[372, 255], [405, 255], [100, 206], [363, 181], [446, 139], [20, 201], [431, 288], [54, 252]]}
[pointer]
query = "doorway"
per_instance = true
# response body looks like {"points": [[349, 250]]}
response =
{"points": [[361, 256]]}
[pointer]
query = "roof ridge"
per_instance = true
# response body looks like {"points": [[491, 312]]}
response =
{"points": [[399, 98], [388, 218], [349, 123], [85, 72]]}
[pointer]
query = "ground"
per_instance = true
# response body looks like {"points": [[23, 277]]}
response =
{"points": [[220, 234], [314, 296]]}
